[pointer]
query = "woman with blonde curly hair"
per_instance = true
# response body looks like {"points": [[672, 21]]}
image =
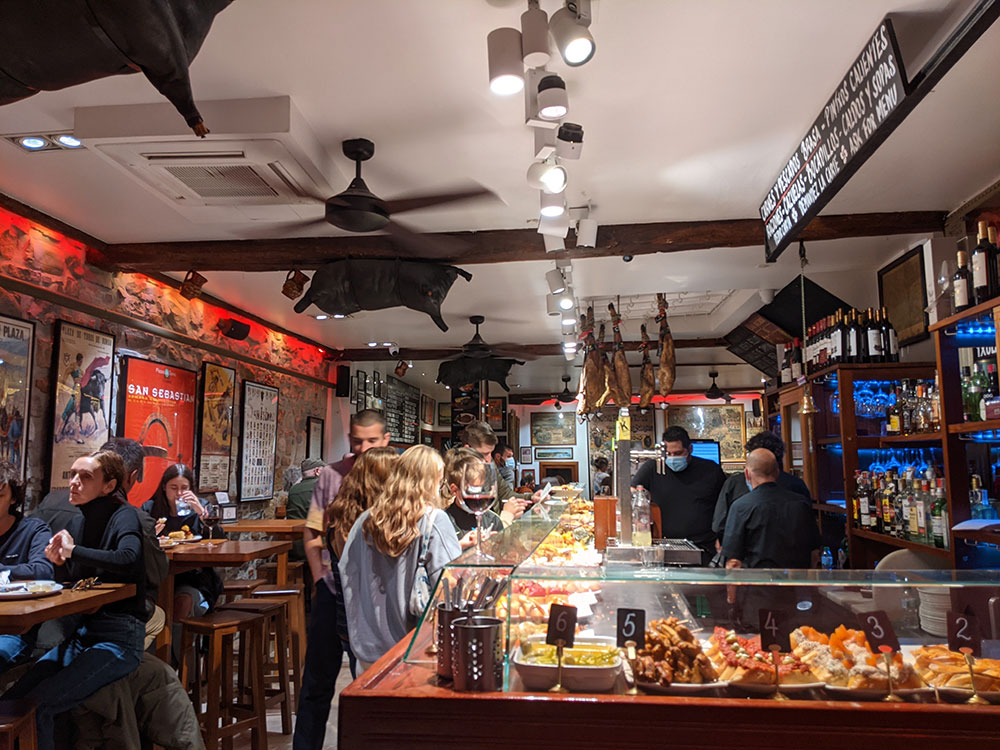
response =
{"points": [[378, 566]]}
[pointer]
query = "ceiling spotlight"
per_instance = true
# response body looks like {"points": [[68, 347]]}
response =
{"points": [[568, 27], [553, 103], [569, 318], [556, 226], [552, 305], [534, 36], [338, 316], [322, 316], [555, 280], [503, 48], [33, 142], [566, 301], [547, 176], [553, 205], [569, 346], [586, 233], [553, 244], [68, 141], [373, 343], [387, 343], [569, 140]]}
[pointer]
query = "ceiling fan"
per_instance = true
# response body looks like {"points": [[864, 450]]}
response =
{"points": [[477, 348], [358, 209], [565, 396], [714, 392]]}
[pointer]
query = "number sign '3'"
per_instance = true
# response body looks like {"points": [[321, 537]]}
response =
{"points": [[632, 626], [878, 630], [774, 629], [562, 625], [963, 632]]}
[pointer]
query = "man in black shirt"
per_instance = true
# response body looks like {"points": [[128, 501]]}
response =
{"points": [[736, 485], [769, 527], [685, 493]]}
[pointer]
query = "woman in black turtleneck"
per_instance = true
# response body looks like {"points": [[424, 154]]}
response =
{"points": [[108, 644]]}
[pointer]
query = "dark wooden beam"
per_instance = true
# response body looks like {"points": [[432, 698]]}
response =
{"points": [[95, 246], [496, 246], [531, 351]]}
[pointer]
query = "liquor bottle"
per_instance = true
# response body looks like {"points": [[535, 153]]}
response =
{"points": [[975, 496], [873, 333], [905, 401], [796, 360], [991, 236], [786, 366], [935, 402], [906, 505], [982, 267], [890, 342], [894, 415], [961, 283], [984, 390], [923, 513], [939, 518], [915, 512], [971, 395]]}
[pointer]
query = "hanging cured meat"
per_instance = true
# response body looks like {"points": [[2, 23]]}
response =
{"points": [[647, 376], [592, 383], [667, 371], [608, 372], [623, 379]]}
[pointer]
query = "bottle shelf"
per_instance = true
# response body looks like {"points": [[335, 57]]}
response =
{"points": [[966, 427], [976, 311], [893, 541], [831, 508], [923, 437], [990, 537]]}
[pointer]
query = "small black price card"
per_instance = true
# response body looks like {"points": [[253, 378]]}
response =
{"points": [[878, 630], [774, 629], [562, 625], [632, 627], [963, 632]]}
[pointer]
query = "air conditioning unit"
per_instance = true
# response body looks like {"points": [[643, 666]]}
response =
{"points": [[260, 162]]}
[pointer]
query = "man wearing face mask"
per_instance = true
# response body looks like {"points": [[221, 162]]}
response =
{"points": [[503, 457], [685, 493]]}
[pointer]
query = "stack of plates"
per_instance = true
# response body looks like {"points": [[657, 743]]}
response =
{"points": [[935, 601]]}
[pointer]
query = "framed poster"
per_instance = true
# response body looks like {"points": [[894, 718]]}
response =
{"points": [[215, 442], [444, 414], [156, 406], [525, 457], [902, 291], [553, 454], [16, 348], [258, 437], [81, 365], [360, 390], [496, 413], [376, 390], [754, 424], [527, 475], [553, 428], [426, 409], [722, 423], [314, 438]]}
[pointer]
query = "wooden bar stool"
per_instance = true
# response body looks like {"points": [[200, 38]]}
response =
{"points": [[238, 588], [276, 688], [269, 572], [225, 715], [17, 725], [292, 594]]}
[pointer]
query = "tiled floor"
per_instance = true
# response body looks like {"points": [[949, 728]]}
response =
{"points": [[278, 741]]}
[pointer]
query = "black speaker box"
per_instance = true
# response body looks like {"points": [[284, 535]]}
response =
{"points": [[343, 381]]}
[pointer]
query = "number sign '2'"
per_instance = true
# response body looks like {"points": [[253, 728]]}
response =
{"points": [[562, 625], [963, 632], [774, 629], [878, 630], [632, 626]]}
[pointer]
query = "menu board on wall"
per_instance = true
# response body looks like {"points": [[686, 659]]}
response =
{"points": [[218, 388], [402, 411], [158, 410], [258, 437], [464, 409]]}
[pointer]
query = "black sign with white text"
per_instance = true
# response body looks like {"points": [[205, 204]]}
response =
{"points": [[963, 632], [632, 626], [562, 625], [878, 630], [834, 147]]}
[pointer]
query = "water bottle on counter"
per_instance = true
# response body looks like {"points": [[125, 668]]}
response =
{"points": [[642, 536], [827, 559]]}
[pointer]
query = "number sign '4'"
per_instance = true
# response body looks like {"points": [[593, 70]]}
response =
{"points": [[878, 630], [774, 629], [562, 625], [632, 627], [963, 632]]}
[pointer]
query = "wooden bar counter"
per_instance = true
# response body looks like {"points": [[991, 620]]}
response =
{"points": [[395, 705]]}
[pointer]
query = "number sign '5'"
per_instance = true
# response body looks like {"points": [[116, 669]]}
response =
{"points": [[632, 626]]}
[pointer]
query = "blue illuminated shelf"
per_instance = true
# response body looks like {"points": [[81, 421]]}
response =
{"points": [[966, 427], [924, 437]]}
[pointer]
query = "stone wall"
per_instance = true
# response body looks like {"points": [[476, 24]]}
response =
{"points": [[43, 277]]}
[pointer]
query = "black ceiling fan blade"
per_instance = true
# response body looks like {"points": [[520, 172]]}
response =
{"points": [[426, 245], [268, 228], [426, 200]]}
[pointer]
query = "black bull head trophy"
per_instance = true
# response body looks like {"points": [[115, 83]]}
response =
{"points": [[47, 45], [343, 287]]}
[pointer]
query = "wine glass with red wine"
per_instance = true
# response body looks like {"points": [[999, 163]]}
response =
{"points": [[479, 492], [213, 514]]}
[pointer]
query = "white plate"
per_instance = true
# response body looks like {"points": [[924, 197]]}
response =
{"points": [[29, 589], [576, 678], [873, 694], [680, 688], [757, 688], [190, 540]]}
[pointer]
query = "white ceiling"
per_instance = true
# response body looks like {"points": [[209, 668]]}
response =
{"points": [[689, 109]]}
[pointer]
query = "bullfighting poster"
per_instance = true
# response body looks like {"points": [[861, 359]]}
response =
{"points": [[218, 389], [81, 368], [258, 436], [157, 408], [16, 339]]}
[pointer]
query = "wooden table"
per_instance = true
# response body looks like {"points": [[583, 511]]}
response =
{"points": [[20, 615], [280, 528], [222, 554], [394, 705]]}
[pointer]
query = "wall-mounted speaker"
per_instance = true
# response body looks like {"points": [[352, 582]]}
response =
{"points": [[234, 329], [756, 407], [343, 381]]}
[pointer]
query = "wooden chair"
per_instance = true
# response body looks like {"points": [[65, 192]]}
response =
{"points": [[17, 725], [293, 595], [227, 715], [269, 572], [238, 588]]}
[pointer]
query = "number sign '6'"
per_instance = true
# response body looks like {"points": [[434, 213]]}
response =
{"points": [[562, 625], [632, 626]]}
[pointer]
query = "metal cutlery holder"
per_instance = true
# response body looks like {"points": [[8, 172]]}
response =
{"points": [[444, 634], [477, 654]]}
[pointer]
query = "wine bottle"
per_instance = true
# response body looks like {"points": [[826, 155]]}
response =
{"points": [[890, 343], [961, 283], [874, 336], [836, 339], [796, 359], [851, 333], [862, 327], [983, 284]]}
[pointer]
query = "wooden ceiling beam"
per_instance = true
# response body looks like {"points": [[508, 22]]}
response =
{"points": [[495, 246]]}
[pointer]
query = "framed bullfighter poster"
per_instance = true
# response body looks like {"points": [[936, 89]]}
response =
{"points": [[258, 437], [16, 347], [157, 408], [81, 366], [215, 451]]}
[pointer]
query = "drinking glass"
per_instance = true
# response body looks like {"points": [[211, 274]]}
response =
{"points": [[479, 491], [213, 514]]}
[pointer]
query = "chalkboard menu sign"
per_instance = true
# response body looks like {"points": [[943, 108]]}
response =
{"points": [[402, 411], [845, 134]]}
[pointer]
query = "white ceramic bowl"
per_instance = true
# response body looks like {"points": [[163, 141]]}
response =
{"points": [[579, 679]]}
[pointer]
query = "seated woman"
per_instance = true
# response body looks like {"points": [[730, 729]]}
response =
{"points": [[22, 555], [456, 461], [379, 564], [176, 509], [105, 543]]}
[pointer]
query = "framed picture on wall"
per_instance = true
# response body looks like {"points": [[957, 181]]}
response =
{"points": [[553, 428], [496, 413], [314, 438], [215, 442], [902, 291], [426, 409], [525, 457], [722, 423], [553, 454], [17, 339], [81, 370], [444, 414], [527, 475], [258, 437]]}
